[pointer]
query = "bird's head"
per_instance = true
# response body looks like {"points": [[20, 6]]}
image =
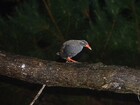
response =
{"points": [[85, 44]]}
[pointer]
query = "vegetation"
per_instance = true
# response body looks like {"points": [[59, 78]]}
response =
{"points": [[38, 28]]}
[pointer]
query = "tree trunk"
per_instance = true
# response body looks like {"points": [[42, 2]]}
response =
{"points": [[79, 75]]}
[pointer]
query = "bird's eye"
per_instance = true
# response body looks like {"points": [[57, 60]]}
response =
{"points": [[82, 43]]}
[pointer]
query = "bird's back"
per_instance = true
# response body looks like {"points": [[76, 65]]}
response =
{"points": [[70, 49]]}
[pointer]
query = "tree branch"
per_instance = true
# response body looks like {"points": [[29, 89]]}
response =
{"points": [[79, 75]]}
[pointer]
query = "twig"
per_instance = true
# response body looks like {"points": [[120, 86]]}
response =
{"points": [[53, 20], [138, 95], [38, 94]]}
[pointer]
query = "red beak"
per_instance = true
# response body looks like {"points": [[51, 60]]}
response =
{"points": [[87, 46]]}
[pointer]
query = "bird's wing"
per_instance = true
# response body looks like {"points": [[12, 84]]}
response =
{"points": [[71, 50]]}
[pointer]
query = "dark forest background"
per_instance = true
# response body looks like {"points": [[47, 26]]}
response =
{"points": [[37, 28]]}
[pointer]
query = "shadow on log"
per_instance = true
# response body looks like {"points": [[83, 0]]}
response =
{"points": [[97, 76]]}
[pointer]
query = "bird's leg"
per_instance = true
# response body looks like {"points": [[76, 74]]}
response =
{"points": [[71, 60]]}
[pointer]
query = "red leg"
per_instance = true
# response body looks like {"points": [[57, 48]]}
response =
{"points": [[71, 60]]}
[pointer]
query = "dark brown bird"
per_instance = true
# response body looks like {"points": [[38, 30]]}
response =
{"points": [[71, 48]]}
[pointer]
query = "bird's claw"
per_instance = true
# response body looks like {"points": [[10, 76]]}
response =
{"points": [[71, 60]]}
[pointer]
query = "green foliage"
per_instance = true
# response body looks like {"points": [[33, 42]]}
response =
{"points": [[38, 28], [114, 29], [24, 30]]}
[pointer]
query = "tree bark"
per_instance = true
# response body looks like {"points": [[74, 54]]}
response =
{"points": [[78, 75]]}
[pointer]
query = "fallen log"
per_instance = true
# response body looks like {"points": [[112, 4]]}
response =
{"points": [[97, 76]]}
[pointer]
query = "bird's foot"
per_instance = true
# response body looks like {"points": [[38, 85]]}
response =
{"points": [[71, 60]]}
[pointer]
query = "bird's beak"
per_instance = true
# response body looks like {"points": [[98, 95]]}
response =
{"points": [[87, 46]]}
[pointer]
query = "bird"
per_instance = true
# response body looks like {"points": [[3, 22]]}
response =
{"points": [[71, 48]]}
